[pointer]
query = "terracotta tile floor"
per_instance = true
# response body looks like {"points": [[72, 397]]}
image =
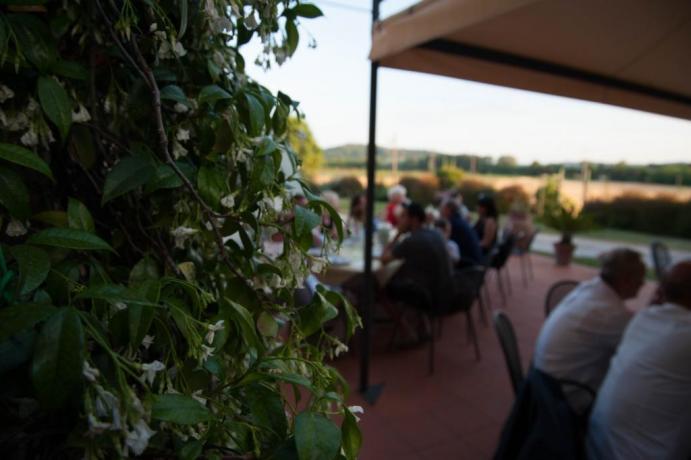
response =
{"points": [[457, 413]]}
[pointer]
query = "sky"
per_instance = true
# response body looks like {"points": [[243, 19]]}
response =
{"points": [[449, 115]]}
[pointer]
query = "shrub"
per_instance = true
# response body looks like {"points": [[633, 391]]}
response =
{"points": [[449, 176], [512, 195], [470, 189], [140, 171], [346, 187], [662, 215], [422, 190]]}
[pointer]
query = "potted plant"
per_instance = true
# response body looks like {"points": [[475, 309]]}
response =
{"points": [[564, 217]]}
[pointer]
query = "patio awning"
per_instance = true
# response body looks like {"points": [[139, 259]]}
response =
{"points": [[630, 53]]}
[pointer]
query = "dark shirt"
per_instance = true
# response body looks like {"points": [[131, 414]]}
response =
{"points": [[465, 238], [479, 229], [426, 263]]}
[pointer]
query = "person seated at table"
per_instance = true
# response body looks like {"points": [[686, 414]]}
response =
{"points": [[643, 410], [486, 227], [582, 333], [424, 279], [356, 217], [444, 229], [397, 197], [462, 234]]}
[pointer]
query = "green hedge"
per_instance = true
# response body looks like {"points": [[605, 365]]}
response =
{"points": [[658, 216]]}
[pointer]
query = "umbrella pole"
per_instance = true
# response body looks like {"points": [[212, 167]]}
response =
{"points": [[366, 335]]}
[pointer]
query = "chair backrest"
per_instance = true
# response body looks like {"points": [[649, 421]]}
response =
{"points": [[501, 252], [556, 294], [661, 258], [509, 345], [466, 286]]}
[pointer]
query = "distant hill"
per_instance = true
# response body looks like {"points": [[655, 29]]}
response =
{"points": [[354, 156]]}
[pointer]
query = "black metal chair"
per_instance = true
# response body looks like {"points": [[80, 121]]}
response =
{"points": [[509, 345], [522, 250], [556, 294], [661, 258], [497, 261]]}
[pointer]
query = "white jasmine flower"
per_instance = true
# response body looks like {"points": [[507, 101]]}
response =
{"points": [[120, 306], [17, 122], [340, 348], [81, 115], [318, 264], [197, 395], [150, 370], [153, 27], [179, 50], [181, 234], [212, 329], [138, 439], [33, 106], [207, 352], [90, 373], [182, 135], [178, 150], [108, 405], [147, 341], [29, 138], [356, 410], [228, 201], [5, 93], [15, 228], [96, 426], [180, 108]]}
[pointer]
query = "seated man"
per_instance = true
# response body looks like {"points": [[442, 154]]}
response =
{"points": [[580, 336], [462, 233], [424, 279], [643, 409]]}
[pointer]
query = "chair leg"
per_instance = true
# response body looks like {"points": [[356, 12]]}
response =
{"points": [[524, 269], [481, 307], [500, 285], [473, 334]]}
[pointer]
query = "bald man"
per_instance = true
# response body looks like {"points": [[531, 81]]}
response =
{"points": [[580, 336], [643, 410]]}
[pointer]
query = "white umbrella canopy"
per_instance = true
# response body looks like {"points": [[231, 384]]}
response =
{"points": [[629, 53]]}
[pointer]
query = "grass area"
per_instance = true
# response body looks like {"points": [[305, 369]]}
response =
{"points": [[625, 236], [593, 262]]}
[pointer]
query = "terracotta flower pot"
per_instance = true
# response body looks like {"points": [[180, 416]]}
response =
{"points": [[563, 253]]}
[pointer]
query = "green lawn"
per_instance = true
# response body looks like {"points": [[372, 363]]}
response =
{"points": [[624, 236]]}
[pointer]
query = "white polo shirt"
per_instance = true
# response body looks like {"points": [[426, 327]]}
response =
{"points": [[643, 410], [580, 336]]}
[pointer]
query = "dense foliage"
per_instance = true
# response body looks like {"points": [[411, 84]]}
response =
{"points": [[142, 177], [301, 140]]}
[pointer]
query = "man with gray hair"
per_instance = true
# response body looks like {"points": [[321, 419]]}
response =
{"points": [[580, 336], [643, 409]]}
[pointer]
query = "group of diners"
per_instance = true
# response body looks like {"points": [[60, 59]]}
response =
{"points": [[638, 365]]}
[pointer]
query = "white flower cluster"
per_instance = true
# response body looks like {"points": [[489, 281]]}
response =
{"points": [[218, 23], [169, 47], [182, 234]]}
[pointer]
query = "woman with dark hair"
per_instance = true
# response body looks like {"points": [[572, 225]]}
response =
{"points": [[356, 216], [487, 223]]}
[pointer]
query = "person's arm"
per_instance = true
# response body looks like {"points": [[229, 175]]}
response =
{"points": [[388, 254], [489, 234]]}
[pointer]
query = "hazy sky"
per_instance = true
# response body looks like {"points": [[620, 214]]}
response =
{"points": [[416, 110]]}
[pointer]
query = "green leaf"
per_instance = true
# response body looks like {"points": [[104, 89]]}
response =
{"points": [[351, 435], [267, 325], [316, 437], [165, 177], [192, 449], [145, 269], [292, 36], [81, 146], [13, 194], [141, 316], [183, 18], [53, 218], [317, 312], [266, 408], [55, 103], [24, 157], [243, 318], [212, 185], [58, 360], [17, 318], [79, 217], [180, 409], [70, 69], [211, 94], [305, 220], [34, 40], [174, 93], [307, 10], [255, 111], [69, 238], [34, 265], [128, 174]]}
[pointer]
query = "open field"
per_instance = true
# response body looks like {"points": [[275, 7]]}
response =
{"points": [[573, 189]]}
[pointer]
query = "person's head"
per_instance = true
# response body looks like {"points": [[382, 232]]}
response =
{"points": [[412, 217], [443, 226], [431, 214], [396, 194], [357, 206], [449, 209], [624, 271], [676, 284], [486, 206]]}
